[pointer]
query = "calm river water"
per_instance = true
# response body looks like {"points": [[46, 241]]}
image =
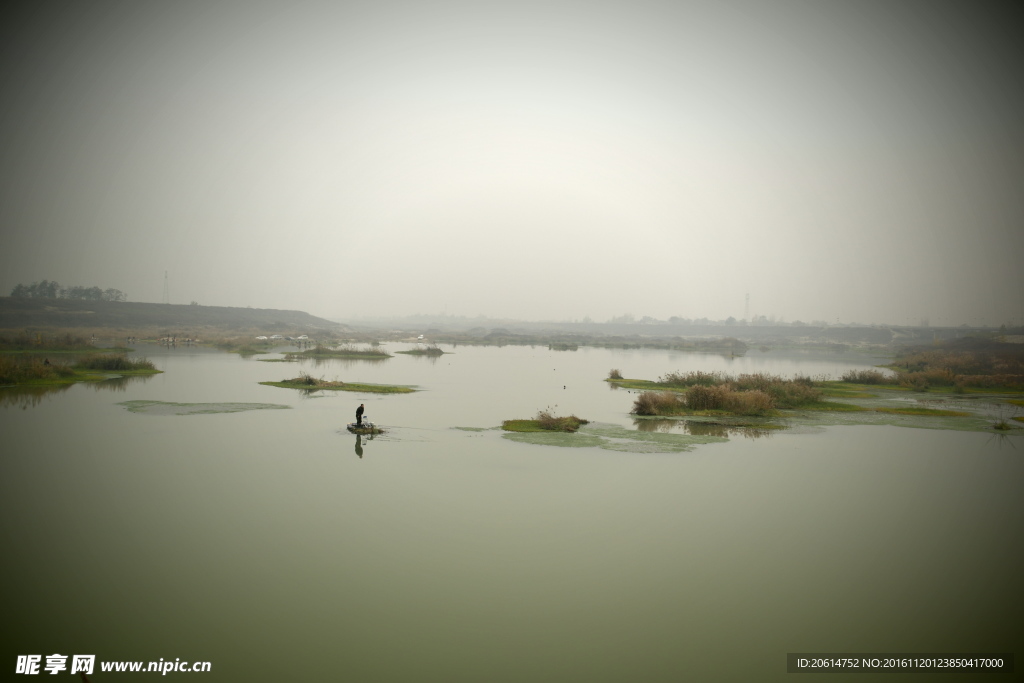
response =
{"points": [[274, 546]]}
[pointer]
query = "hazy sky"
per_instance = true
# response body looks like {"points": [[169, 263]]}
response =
{"points": [[856, 160]]}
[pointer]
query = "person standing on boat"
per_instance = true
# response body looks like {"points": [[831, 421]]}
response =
{"points": [[359, 415]]}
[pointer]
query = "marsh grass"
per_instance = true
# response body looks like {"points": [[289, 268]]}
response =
{"points": [[118, 363], [747, 394], [695, 377], [343, 351], [963, 364], [545, 421], [868, 377], [28, 369], [659, 403], [40, 342], [307, 382], [426, 350], [31, 369]]}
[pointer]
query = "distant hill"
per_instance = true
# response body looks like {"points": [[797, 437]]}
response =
{"points": [[18, 313]]}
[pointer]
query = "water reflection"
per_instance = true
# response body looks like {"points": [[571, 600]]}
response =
{"points": [[28, 397], [429, 358], [119, 383], [360, 444], [343, 362], [25, 397], [1000, 439], [702, 428]]}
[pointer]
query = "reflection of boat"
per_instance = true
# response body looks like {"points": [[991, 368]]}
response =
{"points": [[365, 428]]}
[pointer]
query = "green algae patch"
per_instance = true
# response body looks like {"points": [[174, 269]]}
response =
{"points": [[167, 408], [923, 411], [846, 390], [278, 360], [1019, 418], [474, 429], [614, 438], [975, 422], [561, 439], [833, 406]]}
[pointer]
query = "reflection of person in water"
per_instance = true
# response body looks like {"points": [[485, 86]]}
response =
{"points": [[359, 445], [359, 415]]}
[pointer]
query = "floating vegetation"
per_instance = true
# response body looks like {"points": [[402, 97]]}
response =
{"points": [[474, 429], [614, 438], [561, 439], [923, 411], [167, 408], [699, 426], [309, 383], [278, 360]]}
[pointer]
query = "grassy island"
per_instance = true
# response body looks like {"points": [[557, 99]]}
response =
{"points": [[545, 422], [344, 351], [713, 393], [428, 350], [861, 397], [30, 369], [310, 383]]}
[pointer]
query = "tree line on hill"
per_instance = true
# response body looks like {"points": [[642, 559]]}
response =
{"points": [[51, 289]]}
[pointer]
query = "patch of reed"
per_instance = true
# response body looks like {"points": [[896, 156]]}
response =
{"points": [[659, 403], [694, 377], [867, 377], [113, 363]]}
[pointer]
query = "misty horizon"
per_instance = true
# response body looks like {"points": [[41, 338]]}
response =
{"points": [[559, 161]]}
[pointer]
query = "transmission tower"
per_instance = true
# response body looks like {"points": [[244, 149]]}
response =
{"points": [[167, 289]]}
